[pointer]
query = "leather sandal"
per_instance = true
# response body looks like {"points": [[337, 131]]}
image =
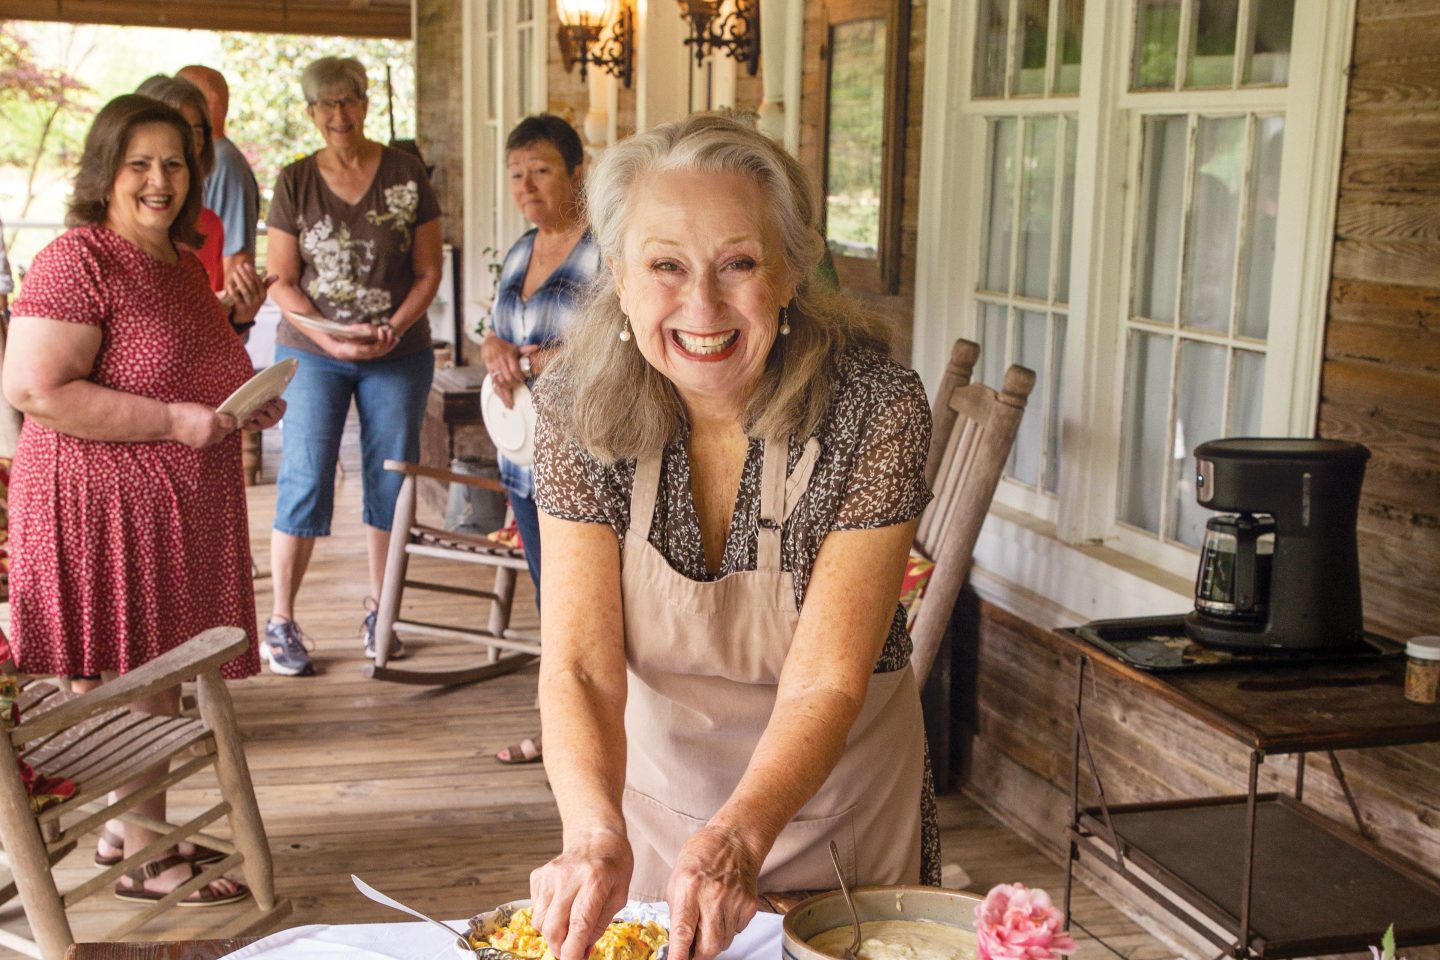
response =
{"points": [[202, 855], [204, 897], [117, 842], [517, 753]]}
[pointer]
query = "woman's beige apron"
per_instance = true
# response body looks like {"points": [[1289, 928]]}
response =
{"points": [[704, 660]]}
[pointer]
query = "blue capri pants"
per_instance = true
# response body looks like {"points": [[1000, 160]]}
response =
{"points": [[390, 397]]}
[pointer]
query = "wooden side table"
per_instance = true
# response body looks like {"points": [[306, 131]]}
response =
{"points": [[1263, 875]]}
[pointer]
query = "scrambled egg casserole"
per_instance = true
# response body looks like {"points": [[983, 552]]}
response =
{"points": [[628, 940]]}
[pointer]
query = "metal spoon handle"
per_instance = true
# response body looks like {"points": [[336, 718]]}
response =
{"points": [[394, 904], [849, 902]]}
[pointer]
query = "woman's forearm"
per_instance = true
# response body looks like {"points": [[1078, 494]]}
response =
{"points": [[582, 675], [584, 728], [413, 308], [89, 411]]}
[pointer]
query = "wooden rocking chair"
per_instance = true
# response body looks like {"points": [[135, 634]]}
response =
{"points": [[507, 649], [974, 429], [96, 742]]}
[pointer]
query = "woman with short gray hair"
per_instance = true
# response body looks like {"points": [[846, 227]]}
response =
{"points": [[729, 469], [354, 242]]}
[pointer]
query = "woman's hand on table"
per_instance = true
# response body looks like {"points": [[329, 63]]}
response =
{"points": [[576, 894], [713, 892]]}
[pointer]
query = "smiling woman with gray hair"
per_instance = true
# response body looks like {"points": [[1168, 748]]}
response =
{"points": [[354, 239], [729, 469]]}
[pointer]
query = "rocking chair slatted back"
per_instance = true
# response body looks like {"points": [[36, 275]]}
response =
{"points": [[974, 429]]}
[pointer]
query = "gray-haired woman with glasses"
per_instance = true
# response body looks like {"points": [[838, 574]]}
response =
{"points": [[354, 239]]}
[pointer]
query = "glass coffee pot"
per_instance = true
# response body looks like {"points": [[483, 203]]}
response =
{"points": [[1233, 582]]}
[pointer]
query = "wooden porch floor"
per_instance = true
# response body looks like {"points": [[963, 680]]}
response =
{"points": [[398, 786]]}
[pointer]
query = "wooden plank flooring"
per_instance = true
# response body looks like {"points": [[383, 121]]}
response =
{"points": [[397, 784]]}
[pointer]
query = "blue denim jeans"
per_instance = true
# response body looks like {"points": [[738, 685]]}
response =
{"points": [[527, 521], [390, 398]]}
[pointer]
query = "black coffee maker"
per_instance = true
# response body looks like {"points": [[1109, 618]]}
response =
{"points": [[1280, 569]]}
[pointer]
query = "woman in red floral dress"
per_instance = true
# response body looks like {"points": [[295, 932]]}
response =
{"points": [[127, 505]]}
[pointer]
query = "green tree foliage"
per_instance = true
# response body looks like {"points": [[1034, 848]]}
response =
{"points": [[267, 118], [45, 110]]}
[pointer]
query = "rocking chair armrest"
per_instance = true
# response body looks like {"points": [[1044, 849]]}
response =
{"points": [[444, 476], [201, 653]]}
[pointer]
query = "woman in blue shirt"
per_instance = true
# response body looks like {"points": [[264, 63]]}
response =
{"points": [[542, 281]]}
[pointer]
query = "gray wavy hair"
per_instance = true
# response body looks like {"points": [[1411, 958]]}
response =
{"points": [[334, 73], [607, 396]]}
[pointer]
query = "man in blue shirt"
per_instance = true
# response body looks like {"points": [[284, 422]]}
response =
{"points": [[230, 190]]}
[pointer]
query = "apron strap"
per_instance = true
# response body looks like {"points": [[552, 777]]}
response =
{"points": [[643, 494], [772, 504], [799, 481]]}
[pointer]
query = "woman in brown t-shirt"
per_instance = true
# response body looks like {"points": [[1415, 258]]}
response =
{"points": [[355, 240]]}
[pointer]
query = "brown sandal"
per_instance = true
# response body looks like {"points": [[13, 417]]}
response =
{"points": [[526, 751], [201, 857], [204, 897]]}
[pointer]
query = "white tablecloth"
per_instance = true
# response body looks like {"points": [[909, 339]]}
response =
{"points": [[421, 941]]}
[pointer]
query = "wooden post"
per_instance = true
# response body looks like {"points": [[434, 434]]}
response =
{"points": [[395, 566], [218, 712], [30, 864]]}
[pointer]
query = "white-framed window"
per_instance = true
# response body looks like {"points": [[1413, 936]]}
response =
{"points": [[1134, 198], [504, 80]]}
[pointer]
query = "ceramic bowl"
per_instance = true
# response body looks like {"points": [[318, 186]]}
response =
{"points": [[826, 911]]}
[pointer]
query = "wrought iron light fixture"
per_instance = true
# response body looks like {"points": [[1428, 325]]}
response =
{"points": [[736, 31], [600, 33]]}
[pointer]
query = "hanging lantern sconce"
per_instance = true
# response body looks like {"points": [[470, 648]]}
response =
{"points": [[600, 33], [736, 31]]}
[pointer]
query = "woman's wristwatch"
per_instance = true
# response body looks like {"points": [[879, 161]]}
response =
{"points": [[526, 367]]}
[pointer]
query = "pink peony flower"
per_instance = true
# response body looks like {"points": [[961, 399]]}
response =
{"points": [[1014, 923]]}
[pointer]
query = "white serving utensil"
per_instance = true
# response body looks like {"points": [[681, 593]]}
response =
{"points": [[460, 941]]}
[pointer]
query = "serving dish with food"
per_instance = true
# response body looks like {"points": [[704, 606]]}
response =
{"points": [[896, 923], [507, 933]]}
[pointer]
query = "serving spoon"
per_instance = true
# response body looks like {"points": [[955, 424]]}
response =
{"points": [[460, 941], [850, 953]]}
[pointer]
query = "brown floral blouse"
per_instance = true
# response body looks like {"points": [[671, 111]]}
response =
{"points": [[871, 473]]}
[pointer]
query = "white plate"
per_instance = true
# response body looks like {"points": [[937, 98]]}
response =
{"points": [[512, 429], [259, 390], [340, 331]]}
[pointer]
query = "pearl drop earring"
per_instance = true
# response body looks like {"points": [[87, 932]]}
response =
{"points": [[784, 321], [625, 330]]}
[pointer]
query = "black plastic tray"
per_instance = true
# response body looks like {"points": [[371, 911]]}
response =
{"points": [[1160, 645]]}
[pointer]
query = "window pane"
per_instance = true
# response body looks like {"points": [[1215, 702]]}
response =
{"points": [[1146, 425], [1199, 409], [990, 35], [1032, 39], [1067, 214], [1051, 480], [1214, 223], [1072, 23], [1001, 201], [1157, 260], [1271, 23], [1212, 44], [492, 15], [1157, 43], [1037, 202], [1247, 391], [1258, 265], [492, 77], [522, 68], [855, 140], [1030, 441], [525, 10], [992, 345]]}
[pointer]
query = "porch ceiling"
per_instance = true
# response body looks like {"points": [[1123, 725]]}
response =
{"points": [[347, 18]]}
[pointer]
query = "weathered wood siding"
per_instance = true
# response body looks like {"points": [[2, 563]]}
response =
{"points": [[1381, 386], [1381, 382]]}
